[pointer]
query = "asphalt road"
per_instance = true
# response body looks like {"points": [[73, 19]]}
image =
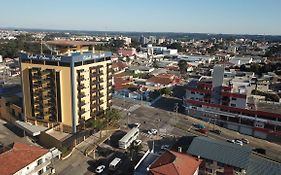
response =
{"points": [[176, 124]]}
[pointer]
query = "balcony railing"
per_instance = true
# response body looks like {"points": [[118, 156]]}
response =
{"points": [[39, 167], [81, 112], [81, 95], [81, 103], [81, 87]]}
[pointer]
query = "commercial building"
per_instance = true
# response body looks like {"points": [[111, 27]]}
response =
{"points": [[228, 102], [221, 157], [68, 88]]}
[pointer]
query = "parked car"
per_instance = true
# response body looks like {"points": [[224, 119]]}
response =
{"points": [[230, 141], [100, 169], [260, 151], [216, 131], [198, 125], [152, 131], [245, 141], [164, 147], [115, 163], [238, 142], [137, 142], [203, 130]]}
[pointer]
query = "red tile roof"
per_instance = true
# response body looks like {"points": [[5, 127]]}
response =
{"points": [[120, 65], [174, 163], [164, 79], [19, 157]]}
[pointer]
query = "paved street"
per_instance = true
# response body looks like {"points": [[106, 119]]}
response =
{"points": [[181, 125]]}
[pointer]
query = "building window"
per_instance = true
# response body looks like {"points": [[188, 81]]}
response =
{"points": [[40, 161], [233, 105], [220, 164], [234, 98], [208, 161], [192, 92], [40, 172], [209, 170]]}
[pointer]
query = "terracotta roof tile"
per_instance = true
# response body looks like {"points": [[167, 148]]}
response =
{"points": [[18, 157], [174, 163]]}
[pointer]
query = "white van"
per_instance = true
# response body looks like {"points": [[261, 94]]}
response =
{"points": [[115, 163]]}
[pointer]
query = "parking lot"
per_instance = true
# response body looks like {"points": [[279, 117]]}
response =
{"points": [[10, 134]]}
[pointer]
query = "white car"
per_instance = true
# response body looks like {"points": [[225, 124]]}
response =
{"points": [[100, 169], [245, 141], [238, 142], [137, 142], [152, 132]]}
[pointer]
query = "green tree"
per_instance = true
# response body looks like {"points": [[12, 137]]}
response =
{"points": [[166, 91], [182, 66]]}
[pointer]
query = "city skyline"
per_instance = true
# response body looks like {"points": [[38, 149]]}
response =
{"points": [[239, 17]]}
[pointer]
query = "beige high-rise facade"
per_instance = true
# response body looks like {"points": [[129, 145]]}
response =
{"points": [[66, 89]]}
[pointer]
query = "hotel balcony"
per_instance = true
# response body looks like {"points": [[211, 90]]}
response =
{"points": [[100, 73], [93, 90], [94, 73], [93, 105], [101, 102], [109, 103], [101, 80], [94, 98], [81, 78], [109, 85], [93, 79], [109, 95], [81, 112], [81, 87], [38, 108], [101, 95], [81, 95], [36, 76], [81, 103], [45, 73]]}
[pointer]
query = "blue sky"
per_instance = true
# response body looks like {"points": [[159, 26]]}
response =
{"points": [[200, 16]]}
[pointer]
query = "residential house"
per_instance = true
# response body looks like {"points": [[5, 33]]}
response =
{"points": [[162, 81], [175, 163], [25, 159]]}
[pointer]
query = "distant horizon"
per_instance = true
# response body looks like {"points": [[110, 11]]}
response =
{"points": [[85, 30], [240, 17]]}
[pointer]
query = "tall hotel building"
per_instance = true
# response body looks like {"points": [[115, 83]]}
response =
{"points": [[66, 88]]}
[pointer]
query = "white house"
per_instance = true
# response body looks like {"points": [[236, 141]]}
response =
{"points": [[25, 159]]}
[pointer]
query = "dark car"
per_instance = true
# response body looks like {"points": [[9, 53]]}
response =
{"points": [[260, 151], [198, 125], [216, 131], [203, 130]]}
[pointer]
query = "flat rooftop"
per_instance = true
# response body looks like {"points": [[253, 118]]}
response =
{"points": [[75, 57], [68, 43], [58, 135], [269, 107]]}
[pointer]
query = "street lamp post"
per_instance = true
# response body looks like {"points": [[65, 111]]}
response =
{"points": [[128, 115]]}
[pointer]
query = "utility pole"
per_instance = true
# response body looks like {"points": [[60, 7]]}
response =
{"points": [[128, 115], [176, 111]]}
